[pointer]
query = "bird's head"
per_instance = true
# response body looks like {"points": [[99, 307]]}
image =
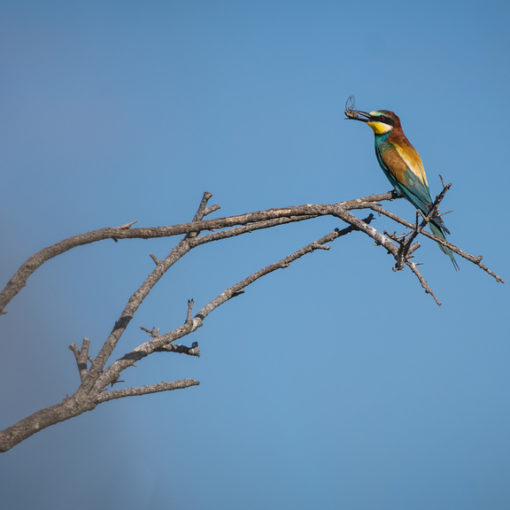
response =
{"points": [[382, 122]]}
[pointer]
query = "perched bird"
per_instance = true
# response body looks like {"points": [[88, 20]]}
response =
{"points": [[402, 165]]}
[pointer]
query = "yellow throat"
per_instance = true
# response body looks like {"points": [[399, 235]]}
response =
{"points": [[379, 128]]}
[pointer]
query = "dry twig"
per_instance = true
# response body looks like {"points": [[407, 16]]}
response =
{"points": [[96, 376]]}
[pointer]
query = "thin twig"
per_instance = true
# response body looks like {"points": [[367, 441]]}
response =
{"points": [[127, 225], [194, 350], [391, 247], [20, 277], [145, 390], [154, 258], [81, 356], [423, 282], [146, 348], [97, 378], [405, 246], [191, 302], [136, 299], [281, 264], [475, 260], [154, 333]]}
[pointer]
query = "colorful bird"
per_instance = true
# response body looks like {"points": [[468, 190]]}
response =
{"points": [[402, 165]]}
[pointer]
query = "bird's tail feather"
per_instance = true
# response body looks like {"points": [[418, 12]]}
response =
{"points": [[437, 231]]}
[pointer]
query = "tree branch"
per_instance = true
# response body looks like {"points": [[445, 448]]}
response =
{"points": [[471, 258], [19, 279], [183, 247], [95, 378], [91, 391], [81, 356], [423, 282], [403, 252], [145, 390], [194, 350], [160, 342], [181, 349], [281, 264]]}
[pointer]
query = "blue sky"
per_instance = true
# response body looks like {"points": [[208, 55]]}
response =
{"points": [[336, 383]]}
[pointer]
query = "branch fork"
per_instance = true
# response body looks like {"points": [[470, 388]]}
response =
{"points": [[405, 245], [96, 376]]}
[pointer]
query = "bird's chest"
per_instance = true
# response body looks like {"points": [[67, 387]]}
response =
{"points": [[382, 147]]}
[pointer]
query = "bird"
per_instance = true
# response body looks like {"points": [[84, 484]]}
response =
{"points": [[402, 165]]}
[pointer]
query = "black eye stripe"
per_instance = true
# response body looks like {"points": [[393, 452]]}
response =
{"points": [[386, 120]]}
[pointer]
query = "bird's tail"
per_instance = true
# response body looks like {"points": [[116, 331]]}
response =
{"points": [[437, 231]]}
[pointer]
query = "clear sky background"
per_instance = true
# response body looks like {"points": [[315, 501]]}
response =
{"points": [[336, 383]]}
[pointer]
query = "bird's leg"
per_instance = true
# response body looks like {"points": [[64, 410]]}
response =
{"points": [[417, 223]]}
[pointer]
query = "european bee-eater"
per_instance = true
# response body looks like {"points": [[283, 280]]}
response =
{"points": [[402, 165]]}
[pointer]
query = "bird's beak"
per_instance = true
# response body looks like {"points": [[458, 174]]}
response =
{"points": [[357, 115]]}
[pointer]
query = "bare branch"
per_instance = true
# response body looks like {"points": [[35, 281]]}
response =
{"points": [[365, 227], [145, 390], [154, 333], [19, 279], [113, 371], [211, 209], [191, 302], [201, 212], [154, 258], [81, 356], [89, 394], [252, 227], [380, 239], [405, 246], [136, 299], [422, 281], [127, 225], [96, 378], [281, 264], [73, 406], [475, 260], [194, 350]]}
